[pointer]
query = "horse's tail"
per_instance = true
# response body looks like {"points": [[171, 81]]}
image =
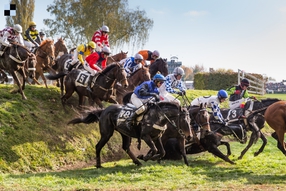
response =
{"points": [[127, 97], [92, 117], [56, 76]]}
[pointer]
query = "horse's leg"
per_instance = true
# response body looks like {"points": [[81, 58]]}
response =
{"points": [[68, 94], [160, 150], [227, 147], [264, 140], [148, 140], [44, 78], [280, 135], [98, 102], [19, 86], [181, 142], [250, 143], [106, 134], [126, 142], [62, 85]]}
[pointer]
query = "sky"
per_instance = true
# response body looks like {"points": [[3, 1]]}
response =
{"points": [[248, 35]]}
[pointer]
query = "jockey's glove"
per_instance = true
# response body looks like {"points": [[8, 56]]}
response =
{"points": [[237, 92], [253, 97], [180, 93], [156, 96], [184, 92]]}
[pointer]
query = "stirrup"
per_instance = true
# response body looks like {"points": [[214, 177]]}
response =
{"points": [[89, 89]]}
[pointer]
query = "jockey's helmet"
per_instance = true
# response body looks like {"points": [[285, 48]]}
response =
{"points": [[92, 44], [42, 33], [18, 28], [106, 50], [178, 71], [138, 57], [156, 53], [105, 28], [159, 77], [32, 23], [222, 94], [244, 82]]}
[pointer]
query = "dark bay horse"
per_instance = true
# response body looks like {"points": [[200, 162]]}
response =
{"points": [[160, 65], [45, 55], [19, 59], [60, 46], [275, 116], [116, 58], [150, 128], [102, 84], [252, 114], [134, 80]]}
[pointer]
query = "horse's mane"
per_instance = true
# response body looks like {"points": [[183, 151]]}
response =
{"points": [[109, 67], [169, 104], [143, 68], [46, 41]]}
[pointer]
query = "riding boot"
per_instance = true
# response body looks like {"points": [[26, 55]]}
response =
{"points": [[70, 67], [130, 120], [88, 88]]}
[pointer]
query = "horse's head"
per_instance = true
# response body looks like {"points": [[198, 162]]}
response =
{"points": [[202, 118], [116, 58], [116, 72], [184, 122], [60, 46], [160, 65], [31, 65], [139, 76], [47, 49]]}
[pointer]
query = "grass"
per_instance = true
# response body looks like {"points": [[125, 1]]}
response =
{"points": [[38, 151]]}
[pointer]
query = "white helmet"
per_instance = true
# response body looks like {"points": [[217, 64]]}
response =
{"points": [[105, 28], [138, 56], [178, 71], [106, 50], [156, 53], [18, 28]]}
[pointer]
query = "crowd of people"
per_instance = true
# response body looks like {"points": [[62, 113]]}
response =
{"points": [[276, 86]]}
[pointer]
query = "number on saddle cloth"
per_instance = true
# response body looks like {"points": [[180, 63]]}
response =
{"points": [[82, 78], [234, 114], [67, 64], [126, 111]]}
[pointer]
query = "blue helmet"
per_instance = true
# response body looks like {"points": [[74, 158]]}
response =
{"points": [[222, 94], [159, 77]]}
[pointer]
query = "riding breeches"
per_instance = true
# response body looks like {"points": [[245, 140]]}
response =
{"points": [[139, 103], [89, 69], [29, 44]]}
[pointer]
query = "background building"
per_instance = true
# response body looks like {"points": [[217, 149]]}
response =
{"points": [[173, 63]]}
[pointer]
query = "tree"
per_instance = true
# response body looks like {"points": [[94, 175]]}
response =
{"points": [[77, 20], [189, 75], [24, 13]]}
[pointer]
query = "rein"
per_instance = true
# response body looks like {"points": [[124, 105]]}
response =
{"points": [[18, 59]]}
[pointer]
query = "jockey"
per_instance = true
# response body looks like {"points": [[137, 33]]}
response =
{"points": [[149, 56], [238, 93], [92, 62], [81, 52], [12, 34], [31, 36], [142, 94], [100, 37], [213, 102], [132, 64], [173, 81]]}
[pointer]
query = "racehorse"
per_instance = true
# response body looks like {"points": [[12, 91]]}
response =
{"points": [[275, 116], [116, 58], [209, 142], [136, 78], [60, 46], [159, 65], [102, 84], [45, 57], [252, 113], [150, 128], [19, 59]]}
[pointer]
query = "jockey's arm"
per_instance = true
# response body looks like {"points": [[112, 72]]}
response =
{"points": [[168, 85], [20, 40], [216, 112], [95, 67], [144, 91], [80, 57], [5, 41]]}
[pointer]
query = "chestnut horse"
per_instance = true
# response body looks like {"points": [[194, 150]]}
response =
{"points": [[45, 57], [136, 78], [116, 58], [275, 116], [19, 59], [60, 46]]}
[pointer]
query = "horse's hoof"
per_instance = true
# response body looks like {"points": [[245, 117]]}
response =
{"points": [[140, 157], [138, 163], [99, 166], [156, 157]]}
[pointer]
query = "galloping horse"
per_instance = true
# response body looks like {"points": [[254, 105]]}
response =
{"points": [[275, 116], [150, 128], [160, 65], [102, 84], [116, 58], [253, 112], [19, 59], [139, 76], [45, 56]]}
